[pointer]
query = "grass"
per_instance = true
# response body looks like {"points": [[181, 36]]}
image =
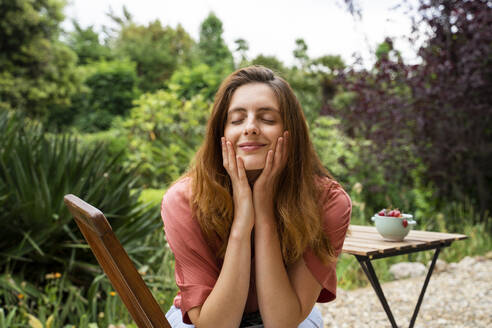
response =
{"points": [[59, 303]]}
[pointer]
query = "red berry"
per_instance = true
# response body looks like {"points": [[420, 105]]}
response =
{"points": [[391, 213], [405, 223], [397, 213], [381, 213]]}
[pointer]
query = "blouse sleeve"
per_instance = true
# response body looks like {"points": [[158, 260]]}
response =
{"points": [[337, 208], [196, 269]]}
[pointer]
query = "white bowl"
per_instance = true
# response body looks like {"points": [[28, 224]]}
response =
{"points": [[392, 228]]}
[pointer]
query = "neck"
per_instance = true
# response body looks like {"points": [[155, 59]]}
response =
{"points": [[253, 175]]}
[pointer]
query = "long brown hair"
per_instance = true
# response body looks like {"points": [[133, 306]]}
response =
{"points": [[296, 197]]}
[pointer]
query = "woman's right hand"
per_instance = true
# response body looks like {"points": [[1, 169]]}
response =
{"points": [[241, 191]]}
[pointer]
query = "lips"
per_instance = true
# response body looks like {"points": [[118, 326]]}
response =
{"points": [[249, 146]]}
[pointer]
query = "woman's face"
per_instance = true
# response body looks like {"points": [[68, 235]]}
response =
{"points": [[254, 123]]}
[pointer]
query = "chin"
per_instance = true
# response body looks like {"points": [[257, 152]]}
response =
{"points": [[253, 165]]}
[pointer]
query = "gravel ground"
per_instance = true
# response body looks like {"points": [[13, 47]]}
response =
{"points": [[458, 296]]}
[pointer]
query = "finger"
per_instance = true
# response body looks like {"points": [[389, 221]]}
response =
{"points": [[241, 171], [225, 160], [279, 150], [268, 163], [232, 159], [286, 147]]}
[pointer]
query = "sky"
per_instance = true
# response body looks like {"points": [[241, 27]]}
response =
{"points": [[269, 26]]}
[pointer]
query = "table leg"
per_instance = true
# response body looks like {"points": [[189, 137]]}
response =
{"points": [[366, 265], [427, 278], [368, 269]]}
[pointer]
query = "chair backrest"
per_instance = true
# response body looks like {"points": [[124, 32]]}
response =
{"points": [[116, 264]]}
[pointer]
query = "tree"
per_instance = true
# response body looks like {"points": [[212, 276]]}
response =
{"points": [[242, 48], [453, 99], [85, 43], [438, 112], [111, 90], [37, 71], [300, 53], [157, 50], [188, 82], [212, 47], [327, 68], [271, 62]]}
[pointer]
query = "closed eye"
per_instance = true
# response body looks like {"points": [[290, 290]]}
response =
{"points": [[268, 121]]}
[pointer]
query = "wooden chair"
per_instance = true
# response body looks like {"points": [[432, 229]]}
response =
{"points": [[116, 264]]}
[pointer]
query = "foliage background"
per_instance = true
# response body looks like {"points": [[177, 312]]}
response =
{"points": [[116, 117]]}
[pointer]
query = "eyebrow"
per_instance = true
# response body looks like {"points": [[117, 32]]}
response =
{"points": [[261, 109]]}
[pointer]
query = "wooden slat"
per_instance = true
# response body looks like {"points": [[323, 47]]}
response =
{"points": [[365, 240], [382, 244], [116, 264], [358, 250], [365, 247], [427, 234], [440, 235], [366, 235], [377, 236]]}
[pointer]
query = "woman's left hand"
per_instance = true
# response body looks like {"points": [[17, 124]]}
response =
{"points": [[264, 186]]}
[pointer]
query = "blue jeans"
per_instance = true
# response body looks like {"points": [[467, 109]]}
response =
{"points": [[175, 318]]}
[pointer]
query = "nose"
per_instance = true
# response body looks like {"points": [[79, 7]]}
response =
{"points": [[251, 127]]}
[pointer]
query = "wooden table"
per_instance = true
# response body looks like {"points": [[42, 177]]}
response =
{"points": [[366, 244]]}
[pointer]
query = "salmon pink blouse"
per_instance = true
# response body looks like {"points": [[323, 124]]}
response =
{"points": [[197, 268]]}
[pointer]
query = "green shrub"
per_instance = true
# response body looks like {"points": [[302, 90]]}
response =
{"points": [[109, 90], [339, 154], [200, 79], [36, 171], [115, 143], [356, 167], [153, 196], [335, 150], [163, 134]]}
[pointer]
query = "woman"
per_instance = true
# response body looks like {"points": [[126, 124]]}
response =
{"points": [[257, 224]]}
